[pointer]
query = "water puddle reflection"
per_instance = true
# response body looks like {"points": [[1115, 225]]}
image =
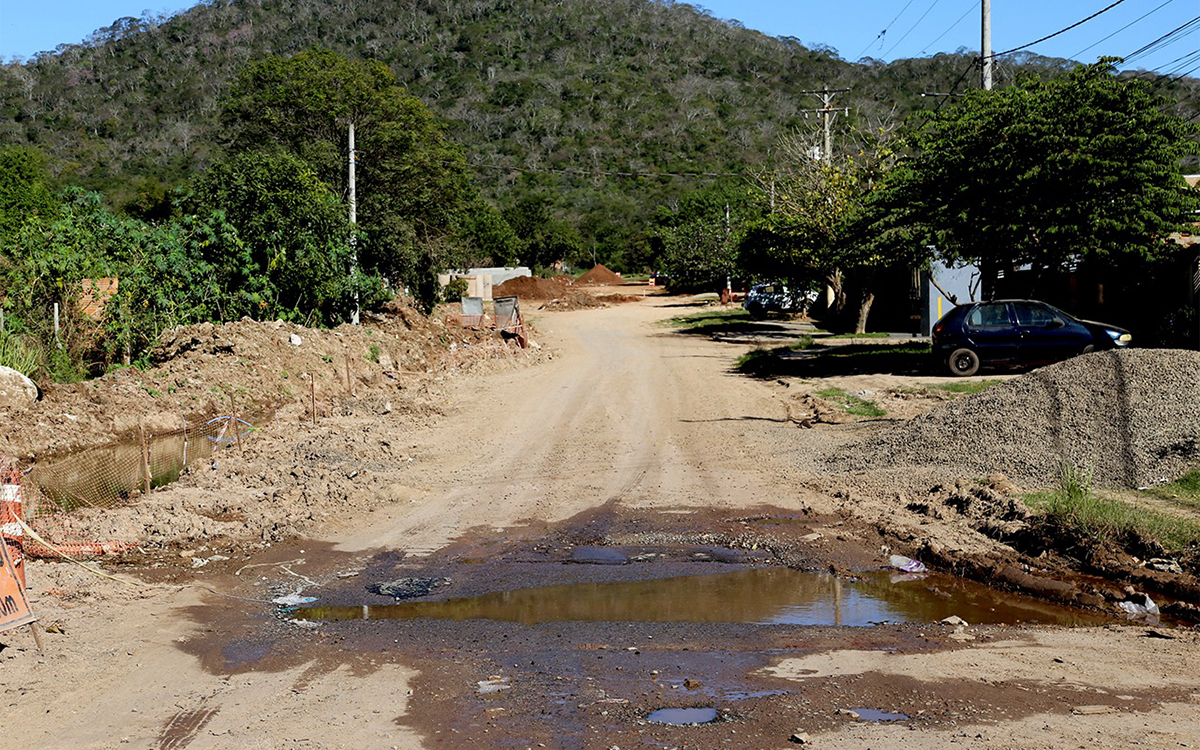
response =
{"points": [[683, 716], [761, 596]]}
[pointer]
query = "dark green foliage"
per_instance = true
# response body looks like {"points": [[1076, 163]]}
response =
{"points": [[25, 194], [417, 209], [577, 100], [289, 255], [542, 238], [1048, 172]]}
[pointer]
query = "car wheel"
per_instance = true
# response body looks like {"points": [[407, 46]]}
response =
{"points": [[756, 310], [1088, 349], [963, 362]]}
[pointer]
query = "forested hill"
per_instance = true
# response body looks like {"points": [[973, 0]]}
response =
{"points": [[576, 100]]}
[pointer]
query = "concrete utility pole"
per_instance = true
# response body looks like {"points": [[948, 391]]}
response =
{"points": [[985, 52], [354, 317], [827, 112]]}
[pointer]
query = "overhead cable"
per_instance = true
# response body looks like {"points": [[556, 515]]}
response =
{"points": [[910, 29], [1060, 31], [956, 23], [1118, 31]]}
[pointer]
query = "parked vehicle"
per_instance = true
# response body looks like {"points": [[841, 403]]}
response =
{"points": [[768, 298], [1016, 332]]}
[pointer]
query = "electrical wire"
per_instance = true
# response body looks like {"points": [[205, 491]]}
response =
{"points": [[1166, 39], [880, 35], [1060, 31], [956, 23], [910, 29], [1118, 31], [606, 173]]}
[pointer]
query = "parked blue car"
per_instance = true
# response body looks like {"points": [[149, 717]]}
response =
{"points": [[1016, 332]]}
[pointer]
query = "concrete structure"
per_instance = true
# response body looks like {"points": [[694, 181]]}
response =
{"points": [[959, 282], [481, 280]]}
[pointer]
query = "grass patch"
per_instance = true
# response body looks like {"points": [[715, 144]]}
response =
{"points": [[1074, 507], [1184, 491], [763, 362], [966, 387], [852, 404], [873, 335], [708, 318]]}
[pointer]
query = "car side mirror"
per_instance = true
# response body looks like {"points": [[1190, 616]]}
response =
{"points": [[1055, 323]]}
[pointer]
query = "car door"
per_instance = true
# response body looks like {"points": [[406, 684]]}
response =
{"points": [[989, 327], [1046, 335]]}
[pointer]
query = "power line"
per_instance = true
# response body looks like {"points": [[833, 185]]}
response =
{"points": [[1118, 31], [880, 35], [1060, 31], [605, 173], [1162, 41], [956, 23], [910, 30]]}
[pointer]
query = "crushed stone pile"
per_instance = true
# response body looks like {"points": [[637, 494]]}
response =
{"points": [[532, 288], [1130, 417], [600, 276]]}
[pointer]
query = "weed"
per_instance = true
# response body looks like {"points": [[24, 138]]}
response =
{"points": [[965, 387], [852, 404], [1073, 506], [763, 362], [372, 354], [19, 353], [1184, 492], [707, 318]]}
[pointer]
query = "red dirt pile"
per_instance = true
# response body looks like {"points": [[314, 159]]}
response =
{"points": [[600, 276], [531, 288]]}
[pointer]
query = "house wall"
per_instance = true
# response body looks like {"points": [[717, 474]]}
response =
{"points": [[958, 282]]}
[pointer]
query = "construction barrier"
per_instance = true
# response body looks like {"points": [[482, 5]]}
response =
{"points": [[11, 531], [14, 607]]}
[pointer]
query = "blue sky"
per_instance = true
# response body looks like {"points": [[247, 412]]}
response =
{"points": [[886, 29]]}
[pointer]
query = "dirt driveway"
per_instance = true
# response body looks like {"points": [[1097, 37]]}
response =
{"points": [[631, 438]]}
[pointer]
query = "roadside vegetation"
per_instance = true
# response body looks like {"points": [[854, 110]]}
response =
{"points": [[708, 318], [850, 403], [1076, 510]]}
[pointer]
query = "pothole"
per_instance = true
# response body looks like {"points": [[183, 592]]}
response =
{"points": [[762, 596]]}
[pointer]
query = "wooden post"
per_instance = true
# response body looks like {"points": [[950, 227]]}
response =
{"points": [[312, 394], [184, 440], [349, 382], [37, 637], [145, 458], [237, 427]]}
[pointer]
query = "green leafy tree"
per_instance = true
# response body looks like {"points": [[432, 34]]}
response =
{"points": [[25, 193], [417, 208], [1048, 171], [289, 254], [823, 225], [542, 239]]}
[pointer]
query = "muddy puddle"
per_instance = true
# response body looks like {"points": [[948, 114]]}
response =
{"points": [[110, 474], [761, 596]]}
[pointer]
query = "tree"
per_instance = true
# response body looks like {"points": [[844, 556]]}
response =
{"points": [[823, 224], [290, 255], [25, 194], [1044, 172], [543, 240], [416, 203]]}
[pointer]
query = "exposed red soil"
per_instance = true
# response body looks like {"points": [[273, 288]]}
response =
{"points": [[531, 288], [599, 276]]}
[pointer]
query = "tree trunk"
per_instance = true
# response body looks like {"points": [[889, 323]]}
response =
{"points": [[837, 305], [864, 309]]}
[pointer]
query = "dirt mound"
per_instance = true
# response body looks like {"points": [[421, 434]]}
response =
{"points": [[573, 299], [1131, 417], [531, 288], [600, 276], [201, 369]]}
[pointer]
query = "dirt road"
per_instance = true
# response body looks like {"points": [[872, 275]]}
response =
{"points": [[632, 438]]}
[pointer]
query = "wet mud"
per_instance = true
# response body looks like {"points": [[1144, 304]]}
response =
{"points": [[496, 671]]}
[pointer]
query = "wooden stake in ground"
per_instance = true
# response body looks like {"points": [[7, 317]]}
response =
{"points": [[312, 394], [237, 427], [145, 458]]}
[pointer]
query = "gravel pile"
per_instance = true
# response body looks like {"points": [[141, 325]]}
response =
{"points": [[1131, 417]]}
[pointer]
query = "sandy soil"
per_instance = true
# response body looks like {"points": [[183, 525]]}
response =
{"points": [[619, 432]]}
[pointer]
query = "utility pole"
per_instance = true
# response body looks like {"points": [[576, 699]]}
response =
{"points": [[985, 52], [827, 111], [354, 316]]}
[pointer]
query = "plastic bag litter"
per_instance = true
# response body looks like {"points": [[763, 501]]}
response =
{"points": [[1139, 606], [907, 564], [293, 600]]}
